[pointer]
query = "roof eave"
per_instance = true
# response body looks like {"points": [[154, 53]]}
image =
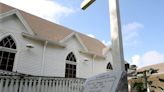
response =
{"points": [[42, 39], [92, 54]]}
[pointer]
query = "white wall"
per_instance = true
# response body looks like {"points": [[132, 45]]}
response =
{"points": [[54, 61], [93, 66], [27, 60]]}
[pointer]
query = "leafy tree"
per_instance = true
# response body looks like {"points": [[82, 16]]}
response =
{"points": [[144, 75], [138, 87]]}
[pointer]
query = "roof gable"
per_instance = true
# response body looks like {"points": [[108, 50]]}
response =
{"points": [[17, 13], [77, 37], [93, 45]]}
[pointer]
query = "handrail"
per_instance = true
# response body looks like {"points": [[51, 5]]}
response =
{"points": [[17, 83]]}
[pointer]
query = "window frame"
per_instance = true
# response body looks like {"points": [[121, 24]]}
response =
{"points": [[9, 50], [109, 66], [72, 66]]}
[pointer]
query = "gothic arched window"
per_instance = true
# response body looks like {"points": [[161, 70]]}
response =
{"points": [[7, 53], [109, 66], [70, 70]]}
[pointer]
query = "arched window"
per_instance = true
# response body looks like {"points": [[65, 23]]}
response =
{"points": [[7, 53], [70, 70], [109, 66]]}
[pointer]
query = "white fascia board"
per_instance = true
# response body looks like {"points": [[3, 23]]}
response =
{"points": [[67, 37], [24, 22], [77, 37], [81, 42], [9, 13]]}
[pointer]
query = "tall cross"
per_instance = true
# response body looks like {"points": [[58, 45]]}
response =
{"points": [[116, 35]]}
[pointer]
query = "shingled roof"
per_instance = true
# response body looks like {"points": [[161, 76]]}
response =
{"points": [[55, 32], [159, 66]]}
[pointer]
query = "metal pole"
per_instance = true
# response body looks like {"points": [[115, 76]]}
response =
{"points": [[145, 80]]}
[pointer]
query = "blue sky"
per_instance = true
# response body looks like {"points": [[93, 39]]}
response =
{"points": [[142, 23]]}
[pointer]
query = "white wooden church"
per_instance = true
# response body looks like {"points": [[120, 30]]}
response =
{"points": [[35, 46]]}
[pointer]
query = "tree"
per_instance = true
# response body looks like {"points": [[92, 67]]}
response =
{"points": [[144, 84], [138, 86]]}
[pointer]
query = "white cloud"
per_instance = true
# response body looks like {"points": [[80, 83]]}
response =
{"points": [[91, 35], [107, 43], [131, 32], [152, 57], [136, 59], [134, 26], [47, 9], [149, 58]]}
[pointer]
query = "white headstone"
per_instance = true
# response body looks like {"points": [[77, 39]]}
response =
{"points": [[106, 82]]}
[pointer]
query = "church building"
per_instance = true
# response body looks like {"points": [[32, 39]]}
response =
{"points": [[34, 46]]}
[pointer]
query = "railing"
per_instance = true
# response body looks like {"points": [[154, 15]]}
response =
{"points": [[40, 84]]}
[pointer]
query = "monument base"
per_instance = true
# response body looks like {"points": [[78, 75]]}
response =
{"points": [[113, 81]]}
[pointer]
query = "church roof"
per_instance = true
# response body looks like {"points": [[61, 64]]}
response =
{"points": [[55, 32]]}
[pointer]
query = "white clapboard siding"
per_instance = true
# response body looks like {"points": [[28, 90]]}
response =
{"points": [[40, 84]]}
